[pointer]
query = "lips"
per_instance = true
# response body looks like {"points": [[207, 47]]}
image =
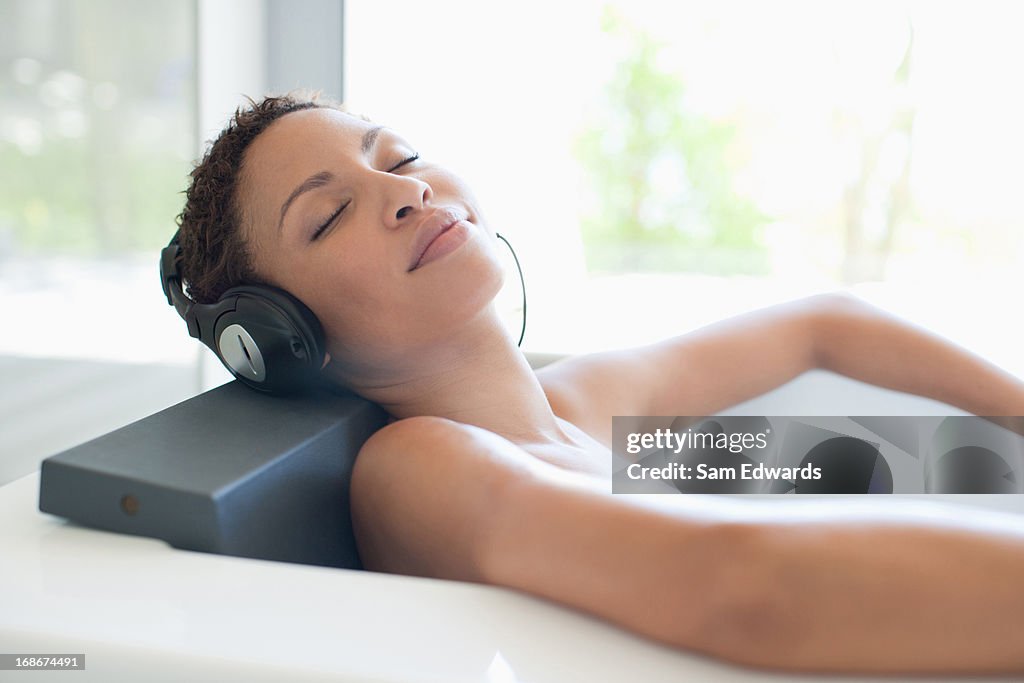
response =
{"points": [[429, 229]]}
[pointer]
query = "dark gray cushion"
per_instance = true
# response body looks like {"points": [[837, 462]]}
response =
{"points": [[231, 471]]}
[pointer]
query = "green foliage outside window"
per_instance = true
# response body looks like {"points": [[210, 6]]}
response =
{"points": [[97, 108], [661, 176]]}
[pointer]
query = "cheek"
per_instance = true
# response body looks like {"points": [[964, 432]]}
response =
{"points": [[352, 297], [330, 282]]}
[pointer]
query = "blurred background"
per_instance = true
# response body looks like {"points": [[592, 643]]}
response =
{"points": [[657, 166]]}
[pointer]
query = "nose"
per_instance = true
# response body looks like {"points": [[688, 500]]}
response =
{"points": [[413, 196]]}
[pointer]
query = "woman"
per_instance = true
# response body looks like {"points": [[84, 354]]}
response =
{"points": [[493, 473]]}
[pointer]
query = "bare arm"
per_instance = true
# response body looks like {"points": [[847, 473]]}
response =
{"points": [[697, 373], [727, 362], [861, 341], [810, 586], [920, 588], [817, 588]]}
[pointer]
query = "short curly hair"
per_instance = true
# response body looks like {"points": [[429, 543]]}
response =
{"points": [[214, 253]]}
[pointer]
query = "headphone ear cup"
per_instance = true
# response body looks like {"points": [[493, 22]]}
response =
{"points": [[270, 340]]}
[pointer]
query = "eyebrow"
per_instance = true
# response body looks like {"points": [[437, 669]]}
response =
{"points": [[323, 177]]}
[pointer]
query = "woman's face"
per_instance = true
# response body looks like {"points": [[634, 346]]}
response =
{"points": [[337, 212]]}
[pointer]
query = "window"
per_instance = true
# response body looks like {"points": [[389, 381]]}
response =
{"points": [[662, 165], [97, 132]]}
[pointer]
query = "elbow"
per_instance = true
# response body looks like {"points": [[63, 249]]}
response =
{"points": [[828, 316], [745, 616]]}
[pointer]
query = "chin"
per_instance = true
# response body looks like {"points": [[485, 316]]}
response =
{"points": [[466, 288], [475, 265]]}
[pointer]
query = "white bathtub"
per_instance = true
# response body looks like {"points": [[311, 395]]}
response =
{"points": [[140, 610]]}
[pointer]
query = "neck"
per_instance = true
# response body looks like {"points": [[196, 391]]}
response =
{"points": [[477, 376]]}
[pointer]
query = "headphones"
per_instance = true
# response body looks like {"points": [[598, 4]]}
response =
{"points": [[266, 337], [263, 335]]}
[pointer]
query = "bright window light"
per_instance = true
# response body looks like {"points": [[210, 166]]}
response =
{"points": [[662, 165]]}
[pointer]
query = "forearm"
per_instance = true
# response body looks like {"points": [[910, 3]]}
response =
{"points": [[887, 596], [866, 343]]}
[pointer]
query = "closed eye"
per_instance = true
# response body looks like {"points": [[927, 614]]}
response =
{"points": [[328, 222], [411, 159], [337, 213]]}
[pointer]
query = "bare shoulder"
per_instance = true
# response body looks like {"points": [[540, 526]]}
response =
{"points": [[588, 389], [443, 446], [423, 490]]}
